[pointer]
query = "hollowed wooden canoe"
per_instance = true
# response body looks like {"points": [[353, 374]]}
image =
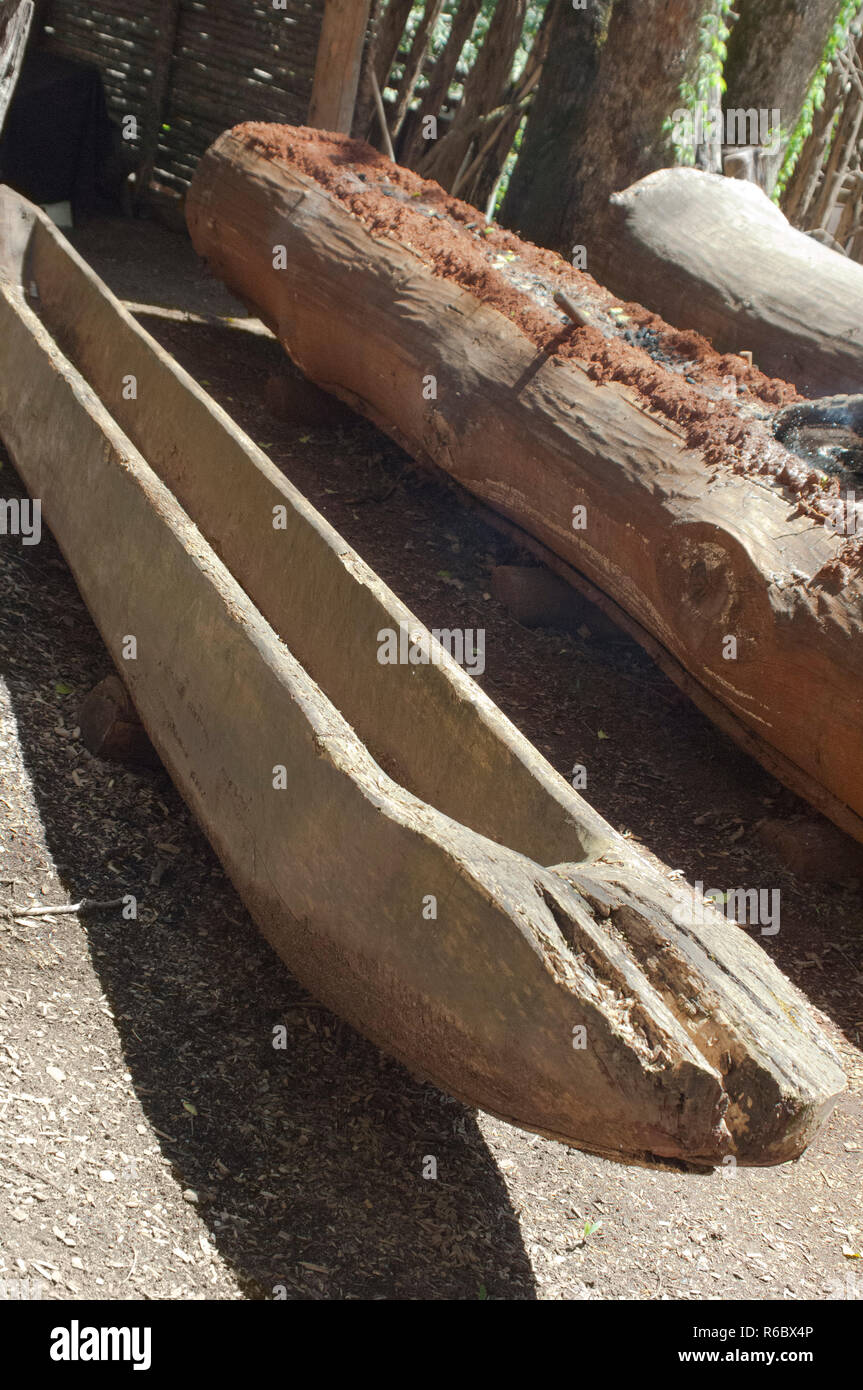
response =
{"points": [[257, 652]]}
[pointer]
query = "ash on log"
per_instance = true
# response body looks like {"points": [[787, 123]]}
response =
{"points": [[633, 452]]}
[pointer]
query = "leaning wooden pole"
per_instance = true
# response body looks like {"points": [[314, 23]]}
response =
{"points": [[633, 453]]}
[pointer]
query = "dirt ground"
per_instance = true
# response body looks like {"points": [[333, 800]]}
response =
{"points": [[153, 1144]]}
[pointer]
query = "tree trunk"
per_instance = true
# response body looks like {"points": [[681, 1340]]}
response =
{"points": [[590, 132], [774, 50]]}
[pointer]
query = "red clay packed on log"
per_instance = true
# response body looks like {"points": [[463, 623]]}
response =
{"points": [[632, 451]]}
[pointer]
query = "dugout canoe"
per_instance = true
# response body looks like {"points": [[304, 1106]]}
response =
{"points": [[636, 455], [389, 830]]}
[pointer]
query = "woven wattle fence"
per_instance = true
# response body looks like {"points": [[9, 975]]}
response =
{"points": [[187, 69]]}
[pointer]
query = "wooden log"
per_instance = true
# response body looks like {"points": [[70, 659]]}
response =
{"points": [[110, 727], [696, 1045], [698, 525], [718, 256]]}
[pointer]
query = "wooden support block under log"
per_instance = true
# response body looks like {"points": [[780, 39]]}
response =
{"points": [[594, 1000], [536, 597], [633, 452], [299, 402], [716, 255], [110, 727], [812, 848]]}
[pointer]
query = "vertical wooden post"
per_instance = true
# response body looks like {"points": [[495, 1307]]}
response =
{"points": [[15, 18], [337, 68], [168, 22]]}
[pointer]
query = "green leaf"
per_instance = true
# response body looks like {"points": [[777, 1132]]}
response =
{"points": [[63, 689]]}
